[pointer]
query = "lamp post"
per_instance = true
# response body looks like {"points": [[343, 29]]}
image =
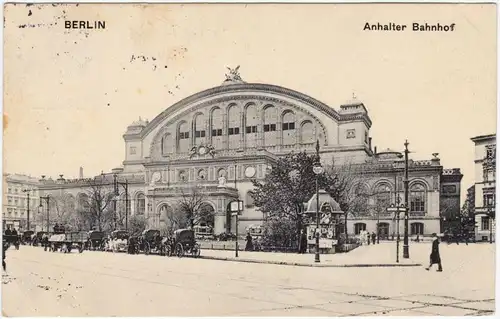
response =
{"points": [[317, 169], [27, 191], [40, 209], [235, 207], [406, 248]]}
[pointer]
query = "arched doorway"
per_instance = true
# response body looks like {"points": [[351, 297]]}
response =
{"points": [[383, 230], [205, 220]]}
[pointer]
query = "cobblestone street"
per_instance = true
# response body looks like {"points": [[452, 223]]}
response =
{"points": [[42, 283]]}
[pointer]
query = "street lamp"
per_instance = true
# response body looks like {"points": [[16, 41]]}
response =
{"points": [[27, 191], [406, 248], [317, 169], [40, 209]]}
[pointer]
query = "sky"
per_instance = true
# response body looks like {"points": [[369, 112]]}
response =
{"points": [[69, 94]]}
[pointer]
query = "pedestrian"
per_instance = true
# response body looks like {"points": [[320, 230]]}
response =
{"points": [[373, 237], [302, 242], [457, 238], [367, 238], [249, 245], [435, 258], [5, 246], [8, 232], [418, 238]]}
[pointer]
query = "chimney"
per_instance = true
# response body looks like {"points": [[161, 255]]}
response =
{"points": [[370, 143], [81, 172], [375, 150]]}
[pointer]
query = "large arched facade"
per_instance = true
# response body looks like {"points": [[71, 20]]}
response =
{"points": [[208, 147]]}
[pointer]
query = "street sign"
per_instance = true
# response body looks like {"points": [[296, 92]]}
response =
{"points": [[236, 206]]}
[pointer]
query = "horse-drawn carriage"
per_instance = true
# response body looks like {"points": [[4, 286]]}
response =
{"points": [[182, 243], [118, 240], [14, 240], [151, 241], [26, 237], [67, 241], [96, 240]]}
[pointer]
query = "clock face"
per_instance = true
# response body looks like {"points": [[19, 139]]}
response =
{"points": [[250, 172], [202, 150]]}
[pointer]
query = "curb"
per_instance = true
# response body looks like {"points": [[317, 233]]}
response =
{"points": [[285, 263]]}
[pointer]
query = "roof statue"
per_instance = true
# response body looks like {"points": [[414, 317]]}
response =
{"points": [[233, 75]]}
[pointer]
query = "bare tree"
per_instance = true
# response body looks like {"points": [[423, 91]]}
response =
{"points": [[189, 204], [62, 208], [98, 210]]}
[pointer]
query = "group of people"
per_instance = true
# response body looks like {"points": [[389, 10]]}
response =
{"points": [[366, 237]]}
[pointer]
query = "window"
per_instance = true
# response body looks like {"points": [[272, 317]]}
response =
{"points": [[490, 151], [307, 132], [383, 197], [489, 200], [233, 131], [269, 127], [249, 200], [417, 228], [200, 134], [10, 190], [417, 198], [251, 129], [485, 223], [217, 132], [183, 135], [288, 126], [366, 137], [141, 204], [359, 227]]}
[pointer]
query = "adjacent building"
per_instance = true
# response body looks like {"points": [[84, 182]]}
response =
{"points": [[484, 187], [219, 139], [17, 209]]}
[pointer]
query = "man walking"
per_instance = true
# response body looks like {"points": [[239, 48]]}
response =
{"points": [[435, 258]]}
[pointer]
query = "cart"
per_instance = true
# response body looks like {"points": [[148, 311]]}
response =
{"points": [[184, 242], [26, 237], [118, 241], [96, 240], [68, 241], [36, 239], [150, 241]]}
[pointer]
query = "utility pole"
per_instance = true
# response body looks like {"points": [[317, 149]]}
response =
{"points": [[115, 185], [406, 248]]}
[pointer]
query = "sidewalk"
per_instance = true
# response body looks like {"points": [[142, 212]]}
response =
{"points": [[381, 255]]}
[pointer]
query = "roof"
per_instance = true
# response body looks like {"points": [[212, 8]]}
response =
{"points": [[237, 87], [324, 198], [481, 138]]}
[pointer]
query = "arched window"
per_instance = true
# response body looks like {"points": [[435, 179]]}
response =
{"points": [[216, 127], [166, 144], [359, 203], [233, 126], [199, 131], [251, 122], [382, 197], [359, 227], [183, 137], [140, 206], [417, 228], [288, 128], [83, 203], [270, 120], [417, 198], [205, 215], [250, 202], [307, 132]]}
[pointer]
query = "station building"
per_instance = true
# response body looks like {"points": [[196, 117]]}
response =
{"points": [[219, 139]]}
